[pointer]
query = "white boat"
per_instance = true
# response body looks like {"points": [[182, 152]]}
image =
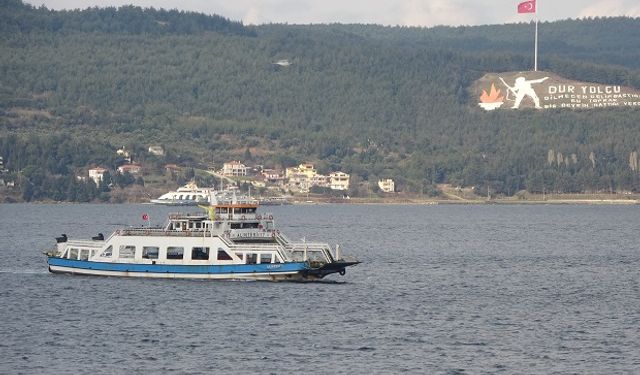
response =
{"points": [[187, 195], [231, 241]]}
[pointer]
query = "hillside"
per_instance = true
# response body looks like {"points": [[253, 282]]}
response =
{"points": [[372, 101]]}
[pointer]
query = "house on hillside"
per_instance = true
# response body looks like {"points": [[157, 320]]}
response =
{"points": [[387, 185], [321, 181], [133, 168], [97, 174], [124, 153], [272, 176], [156, 150], [299, 183], [339, 181], [172, 168], [306, 169], [234, 169]]}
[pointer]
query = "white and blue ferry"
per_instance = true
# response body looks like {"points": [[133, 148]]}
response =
{"points": [[231, 241]]}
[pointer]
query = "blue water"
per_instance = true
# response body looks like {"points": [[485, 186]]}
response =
{"points": [[441, 290]]}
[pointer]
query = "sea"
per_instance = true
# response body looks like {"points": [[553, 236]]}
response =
{"points": [[442, 289]]}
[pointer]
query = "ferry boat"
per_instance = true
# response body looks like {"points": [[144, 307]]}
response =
{"points": [[187, 195], [229, 241]]}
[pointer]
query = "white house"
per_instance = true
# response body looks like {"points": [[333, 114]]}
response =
{"points": [[124, 153], [339, 181], [320, 180], [387, 185], [272, 175], [306, 169], [299, 183], [234, 169], [156, 150], [133, 168], [97, 174]]}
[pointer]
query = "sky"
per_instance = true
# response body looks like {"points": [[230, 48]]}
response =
{"points": [[383, 12]]}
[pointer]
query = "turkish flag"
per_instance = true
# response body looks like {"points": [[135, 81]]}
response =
{"points": [[527, 7]]}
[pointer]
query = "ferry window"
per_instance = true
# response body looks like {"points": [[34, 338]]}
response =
{"points": [[252, 258], [84, 254], [150, 252], [265, 258], [223, 255], [253, 225], [93, 253], [240, 255], [127, 251], [73, 253], [107, 253], [200, 253], [174, 252]]}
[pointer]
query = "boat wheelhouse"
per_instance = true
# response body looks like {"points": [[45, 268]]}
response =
{"points": [[230, 241]]}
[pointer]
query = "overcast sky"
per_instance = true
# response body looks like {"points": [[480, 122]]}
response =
{"points": [[385, 12]]}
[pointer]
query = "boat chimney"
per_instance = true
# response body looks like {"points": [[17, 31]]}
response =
{"points": [[338, 255]]}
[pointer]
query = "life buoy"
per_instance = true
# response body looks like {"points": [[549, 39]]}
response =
{"points": [[243, 218], [342, 272], [270, 217], [273, 234]]}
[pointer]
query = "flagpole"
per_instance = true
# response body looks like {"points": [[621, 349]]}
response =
{"points": [[535, 52]]}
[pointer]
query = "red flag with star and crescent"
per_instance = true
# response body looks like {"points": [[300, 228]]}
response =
{"points": [[527, 7]]}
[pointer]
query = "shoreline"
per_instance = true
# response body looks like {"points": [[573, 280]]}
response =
{"points": [[418, 202], [574, 199]]}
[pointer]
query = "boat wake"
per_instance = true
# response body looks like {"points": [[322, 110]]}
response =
{"points": [[16, 271]]}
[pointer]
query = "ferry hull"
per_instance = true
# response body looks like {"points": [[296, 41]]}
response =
{"points": [[297, 271]]}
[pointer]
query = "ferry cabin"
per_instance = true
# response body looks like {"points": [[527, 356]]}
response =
{"points": [[158, 248]]}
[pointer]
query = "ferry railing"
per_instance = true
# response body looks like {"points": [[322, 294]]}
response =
{"points": [[283, 245], [263, 247], [282, 239], [85, 243], [162, 232]]}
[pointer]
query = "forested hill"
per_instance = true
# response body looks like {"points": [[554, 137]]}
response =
{"points": [[372, 101], [18, 17]]}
